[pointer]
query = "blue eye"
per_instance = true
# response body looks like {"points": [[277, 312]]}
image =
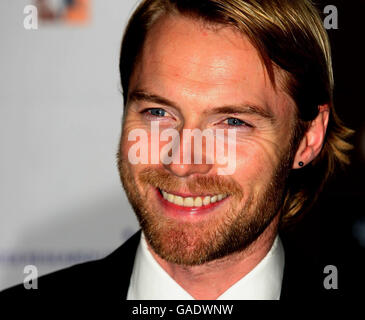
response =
{"points": [[235, 122], [157, 112]]}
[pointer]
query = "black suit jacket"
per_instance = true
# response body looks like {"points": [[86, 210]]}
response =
{"points": [[109, 278]]}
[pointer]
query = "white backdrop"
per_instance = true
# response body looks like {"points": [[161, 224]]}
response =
{"points": [[61, 200]]}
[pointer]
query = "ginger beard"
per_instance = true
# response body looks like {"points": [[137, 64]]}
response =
{"points": [[195, 243]]}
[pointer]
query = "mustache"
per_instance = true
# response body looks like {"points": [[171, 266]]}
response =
{"points": [[161, 179]]}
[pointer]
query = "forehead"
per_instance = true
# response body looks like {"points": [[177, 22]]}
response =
{"points": [[190, 62]]}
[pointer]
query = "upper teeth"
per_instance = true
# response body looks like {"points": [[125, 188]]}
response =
{"points": [[192, 201]]}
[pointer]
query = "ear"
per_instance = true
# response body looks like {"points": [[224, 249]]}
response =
{"points": [[313, 139]]}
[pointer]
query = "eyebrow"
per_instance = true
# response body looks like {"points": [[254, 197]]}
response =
{"points": [[243, 109], [142, 95]]}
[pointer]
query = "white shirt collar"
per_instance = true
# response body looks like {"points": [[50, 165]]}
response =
{"points": [[149, 281]]}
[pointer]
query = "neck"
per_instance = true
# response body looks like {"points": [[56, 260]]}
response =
{"points": [[210, 280]]}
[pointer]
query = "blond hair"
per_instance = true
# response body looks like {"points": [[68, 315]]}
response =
{"points": [[289, 36]]}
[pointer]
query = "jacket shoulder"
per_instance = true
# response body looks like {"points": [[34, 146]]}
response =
{"points": [[104, 277]]}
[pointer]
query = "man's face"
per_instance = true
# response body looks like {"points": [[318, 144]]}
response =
{"points": [[191, 72]]}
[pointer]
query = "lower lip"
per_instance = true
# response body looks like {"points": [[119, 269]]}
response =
{"points": [[174, 209]]}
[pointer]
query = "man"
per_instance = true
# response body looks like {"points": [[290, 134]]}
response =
{"points": [[259, 69]]}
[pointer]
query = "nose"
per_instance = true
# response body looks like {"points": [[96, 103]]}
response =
{"points": [[185, 170], [178, 166]]}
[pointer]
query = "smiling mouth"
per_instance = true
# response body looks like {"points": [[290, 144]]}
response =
{"points": [[192, 201]]}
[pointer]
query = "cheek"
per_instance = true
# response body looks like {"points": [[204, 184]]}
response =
{"points": [[124, 147], [256, 162], [140, 142]]}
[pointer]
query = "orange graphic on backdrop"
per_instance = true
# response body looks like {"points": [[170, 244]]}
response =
{"points": [[78, 12], [67, 11]]}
